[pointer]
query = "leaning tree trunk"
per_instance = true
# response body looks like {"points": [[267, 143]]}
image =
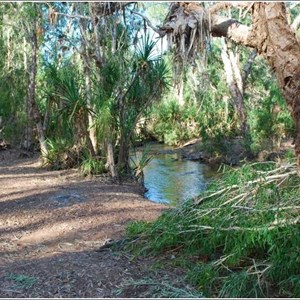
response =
{"points": [[277, 42]]}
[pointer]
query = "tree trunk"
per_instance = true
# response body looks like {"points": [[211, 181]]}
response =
{"points": [[32, 89], [110, 158], [278, 43], [235, 83], [123, 157], [178, 91], [92, 136], [27, 143], [88, 90]]}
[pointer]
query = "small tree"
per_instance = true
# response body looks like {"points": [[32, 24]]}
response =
{"points": [[128, 97]]}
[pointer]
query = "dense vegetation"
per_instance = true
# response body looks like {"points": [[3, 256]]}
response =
{"points": [[83, 83], [208, 112], [239, 238], [87, 89], [93, 93]]}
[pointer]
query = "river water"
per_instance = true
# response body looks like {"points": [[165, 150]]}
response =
{"points": [[169, 179]]}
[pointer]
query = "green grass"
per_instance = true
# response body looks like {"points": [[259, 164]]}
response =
{"points": [[240, 238], [21, 280], [92, 166]]}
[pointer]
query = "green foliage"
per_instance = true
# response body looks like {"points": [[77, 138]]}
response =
{"points": [[243, 232], [67, 84], [92, 166], [268, 116], [21, 280], [139, 162], [12, 95], [157, 11], [173, 124], [208, 109], [125, 85], [206, 112], [136, 227], [57, 157]]}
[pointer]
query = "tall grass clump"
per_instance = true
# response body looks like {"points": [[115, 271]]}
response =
{"points": [[240, 238]]}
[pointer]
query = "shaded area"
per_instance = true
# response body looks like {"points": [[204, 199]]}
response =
{"points": [[52, 223], [88, 274]]}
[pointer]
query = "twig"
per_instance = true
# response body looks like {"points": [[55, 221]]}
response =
{"points": [[234, 198], [267, 209], [222, 259]]}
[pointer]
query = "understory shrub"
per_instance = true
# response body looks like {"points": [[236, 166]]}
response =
{"points": [[173, 124], [63, 155]]}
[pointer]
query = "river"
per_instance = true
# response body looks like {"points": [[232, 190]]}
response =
{"points": [[169, 179]]}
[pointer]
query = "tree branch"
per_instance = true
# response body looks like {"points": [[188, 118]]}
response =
{"points": [[185, 15], [72, 16], [232, 29], [157, 30]]}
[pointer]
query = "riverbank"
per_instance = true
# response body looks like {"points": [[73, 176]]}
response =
{"points": [[238, 239], [228, 151], [54, 222]]}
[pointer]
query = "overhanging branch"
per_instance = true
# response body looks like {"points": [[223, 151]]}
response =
{"points": [[232, 29]]}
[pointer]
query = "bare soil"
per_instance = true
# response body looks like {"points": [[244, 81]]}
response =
{"points": [[53, 222]]}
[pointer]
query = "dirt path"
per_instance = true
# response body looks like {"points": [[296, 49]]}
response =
{"points": [[51, 223]]}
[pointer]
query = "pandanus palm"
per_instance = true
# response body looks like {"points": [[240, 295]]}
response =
{"points": [[73, 106], [149, 80]]}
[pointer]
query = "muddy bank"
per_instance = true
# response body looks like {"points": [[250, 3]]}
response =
{"points": [[231, 152]]}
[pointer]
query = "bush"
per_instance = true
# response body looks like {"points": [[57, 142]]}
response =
{"points": [[62, 155], [173, 124], [92, 166]]}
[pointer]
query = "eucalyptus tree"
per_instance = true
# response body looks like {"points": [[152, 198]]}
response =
{"points": [[32, 31], [191, 24]]}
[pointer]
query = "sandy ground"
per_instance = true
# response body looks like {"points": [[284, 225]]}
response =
{"points": [[53, 222]]}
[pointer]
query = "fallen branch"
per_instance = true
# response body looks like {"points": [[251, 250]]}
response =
{"points": [[270, 226]]}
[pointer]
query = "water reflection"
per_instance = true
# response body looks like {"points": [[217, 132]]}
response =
{"points": [[169, 179]]}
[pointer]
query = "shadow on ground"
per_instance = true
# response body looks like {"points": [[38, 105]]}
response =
{"points": [[51, 225]]}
